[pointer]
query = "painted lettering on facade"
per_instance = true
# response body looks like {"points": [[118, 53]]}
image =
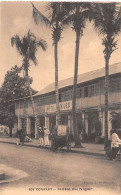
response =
{"points": [[62, 105], [65, 105], [50, 108]]}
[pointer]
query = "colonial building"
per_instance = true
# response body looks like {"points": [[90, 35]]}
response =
{"points": [[90, 102]]}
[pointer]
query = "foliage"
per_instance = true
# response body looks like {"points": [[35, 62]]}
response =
{"points": [[77, 13], [27, 48], [12, 88], [107, 21], [54, 20]]}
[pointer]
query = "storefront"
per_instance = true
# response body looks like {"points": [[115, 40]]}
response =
{"points": [[90, 104]]}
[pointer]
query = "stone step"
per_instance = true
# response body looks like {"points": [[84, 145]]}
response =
{"points": [[2, 175]]}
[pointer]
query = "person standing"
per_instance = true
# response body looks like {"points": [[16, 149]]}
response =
{"points": [[18, 137], [22, 136], [115, 142], [46, 136], [80, 137], [41, 136]]}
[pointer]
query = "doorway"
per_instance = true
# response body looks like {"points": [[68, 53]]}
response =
{"points": [[93, 118], [42, 121], [52, 122], [64, 119]]}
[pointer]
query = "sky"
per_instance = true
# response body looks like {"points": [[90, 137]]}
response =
{"points": [[16, 18]]}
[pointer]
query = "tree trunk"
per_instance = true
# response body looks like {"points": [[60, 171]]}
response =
{"points": [[24, 114], [76, 135], [56, 84], [33, 107], [32, 100], [106, 97]]}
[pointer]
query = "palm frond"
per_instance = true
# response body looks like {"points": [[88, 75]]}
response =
{"points": [[12, 41], [17, 42], [118, 22], [27, 47], [39, 17], [68, 20], [76, 14], [107, 18], [43, 44]]}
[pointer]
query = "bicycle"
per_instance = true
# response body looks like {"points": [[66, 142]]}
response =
{"points": [[108, 152]]}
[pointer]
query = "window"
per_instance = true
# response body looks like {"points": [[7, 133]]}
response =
{"points": [[78, 93], [89, 91], [115, 84], [97, 89], [92, 90], [81, 92], [86, 92], [66, 95], [60, 97], [39, 101], [102, 86], [70, 94]]}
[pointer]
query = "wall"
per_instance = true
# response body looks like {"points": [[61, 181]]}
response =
{"points": [[90, 94]]}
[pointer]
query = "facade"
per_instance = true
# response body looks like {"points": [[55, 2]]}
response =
{"points": [[89, 103]]}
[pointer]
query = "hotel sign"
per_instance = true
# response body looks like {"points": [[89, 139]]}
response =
{"points": [[62, 105]]}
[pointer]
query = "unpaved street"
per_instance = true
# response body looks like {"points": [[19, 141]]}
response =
{"points": [[59, 170]]}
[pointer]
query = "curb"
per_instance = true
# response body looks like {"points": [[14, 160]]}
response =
{"points": [[71, 151]]}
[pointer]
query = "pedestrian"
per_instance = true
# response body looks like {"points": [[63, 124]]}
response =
{"points": [[18, 137], [46, 136], [22, 136], [80, 138], [115, 142], [41, 136]]}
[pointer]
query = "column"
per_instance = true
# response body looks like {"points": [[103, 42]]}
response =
{"points": [[19, 123], [101, 117], [56, 120], [14, 129], [47, 122], [28, 124], [69, 122], [103, 123], [109, 125], [86, 123], [36, 132], [83, 122]]}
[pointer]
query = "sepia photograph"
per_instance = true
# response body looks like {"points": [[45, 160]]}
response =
{"points": [[60, 97]]}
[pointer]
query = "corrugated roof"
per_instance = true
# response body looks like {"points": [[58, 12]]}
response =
{"points": [[113, 69]]}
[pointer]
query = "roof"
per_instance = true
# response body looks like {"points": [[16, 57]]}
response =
{"points": [[113, 69]]}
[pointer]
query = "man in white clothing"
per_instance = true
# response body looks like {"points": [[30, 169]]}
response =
{"points": [[115, 142], [46, 136]]}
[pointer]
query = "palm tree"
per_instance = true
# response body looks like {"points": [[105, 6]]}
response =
{"points": [[78, 13], [54, 22], [107, 21], [27, 47]]}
